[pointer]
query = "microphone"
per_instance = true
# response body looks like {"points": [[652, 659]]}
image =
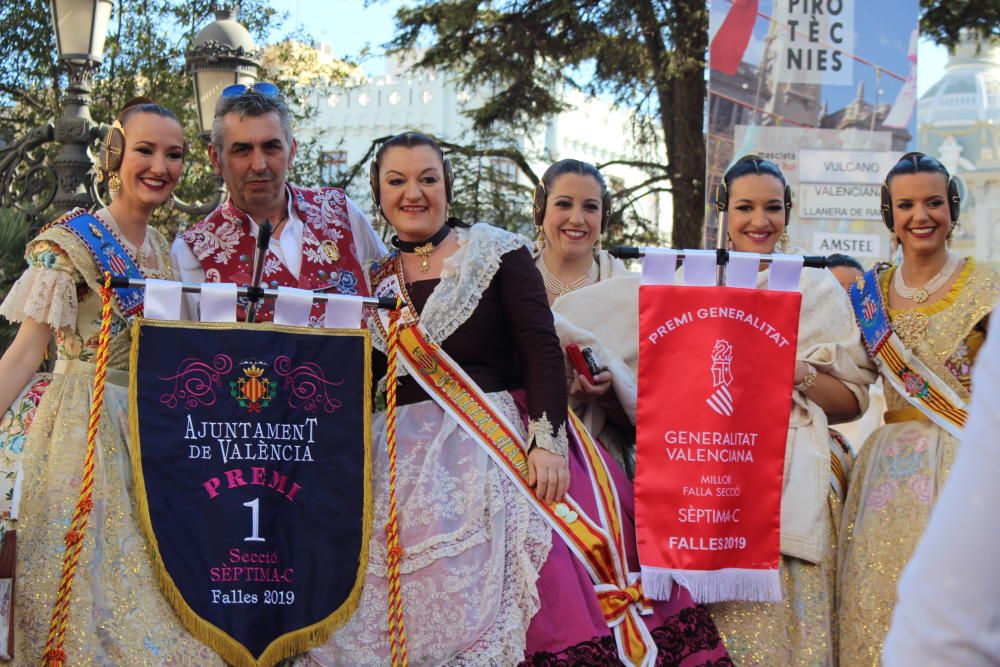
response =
{"points": [[254, 292]]}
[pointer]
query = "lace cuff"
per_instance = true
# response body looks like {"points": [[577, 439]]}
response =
{"points": [[45, 295], [541, 434]]}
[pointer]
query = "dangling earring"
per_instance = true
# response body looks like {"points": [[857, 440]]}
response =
{"points": [[540, 240], [951, 234], [784, 242], [169, 203], [114, 185], [729, 242], [597, 247], [893, 245]]}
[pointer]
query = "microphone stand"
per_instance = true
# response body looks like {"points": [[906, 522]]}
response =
{"points": [[254, 292]]}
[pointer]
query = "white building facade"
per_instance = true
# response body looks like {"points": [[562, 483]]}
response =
{"points": [[959, 123], [406, 98]]}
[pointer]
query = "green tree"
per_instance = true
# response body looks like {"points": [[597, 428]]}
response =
{"points": [[144, 55], [944, 20], [649, 55]]}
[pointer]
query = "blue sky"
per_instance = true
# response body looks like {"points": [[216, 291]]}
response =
{"points": [[348, 26]]}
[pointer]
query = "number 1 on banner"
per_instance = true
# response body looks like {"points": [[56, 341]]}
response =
{"points": [[254, 506]]}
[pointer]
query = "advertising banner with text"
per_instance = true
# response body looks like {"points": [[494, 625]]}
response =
{"points": [[715, 381], [827, 90], [250, 446]]}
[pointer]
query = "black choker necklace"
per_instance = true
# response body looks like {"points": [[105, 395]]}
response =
{"points": [[423, 248]]}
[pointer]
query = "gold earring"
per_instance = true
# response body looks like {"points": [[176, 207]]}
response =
{"points": [[729, 242], [893, 244], [114, 185], [169, 203], [540, 240], [784, 243], [597, 246]]}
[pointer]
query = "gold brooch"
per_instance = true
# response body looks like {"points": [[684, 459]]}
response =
{"points": [[331, 250], [424, 251]]}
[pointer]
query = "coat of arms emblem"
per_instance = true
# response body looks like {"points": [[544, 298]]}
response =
{"points": [[721, 400], [254, 390]]}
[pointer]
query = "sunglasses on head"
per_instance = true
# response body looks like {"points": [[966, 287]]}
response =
{"points": [[261, 88]]}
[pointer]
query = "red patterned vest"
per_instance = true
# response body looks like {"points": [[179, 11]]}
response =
{"points": [[225, 248]]}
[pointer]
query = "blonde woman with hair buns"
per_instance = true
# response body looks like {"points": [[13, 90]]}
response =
{"points": [[117, 615]]}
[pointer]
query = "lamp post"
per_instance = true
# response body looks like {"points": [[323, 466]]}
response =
{"points": [[223, 53]]}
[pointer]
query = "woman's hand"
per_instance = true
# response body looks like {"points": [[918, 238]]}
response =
{"points": [[582, 390], [801, 370], [548, 474]]}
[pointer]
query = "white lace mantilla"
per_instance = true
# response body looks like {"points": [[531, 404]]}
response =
{"points": [[464, 277], [473, 549], [45, 295]]}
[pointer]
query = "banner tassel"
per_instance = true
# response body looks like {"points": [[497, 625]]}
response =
{"points": [[397, 628], [55, 655]]}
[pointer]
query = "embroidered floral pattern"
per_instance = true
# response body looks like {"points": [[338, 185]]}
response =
{"points": [[347, 283], [327, 249], [219, 239], [960, 363], [678, 642], [915, 384]]}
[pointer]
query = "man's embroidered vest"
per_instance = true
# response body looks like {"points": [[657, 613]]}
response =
{"points": [[223, 244]]}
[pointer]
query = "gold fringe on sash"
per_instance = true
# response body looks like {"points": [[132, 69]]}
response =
{"points": [[291, 643]]}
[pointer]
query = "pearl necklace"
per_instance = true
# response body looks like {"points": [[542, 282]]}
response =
{"points": [[921, 294], [557, 287], [139, 255]]}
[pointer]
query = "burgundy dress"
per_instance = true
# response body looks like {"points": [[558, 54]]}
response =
{"points": [[509, 344]]}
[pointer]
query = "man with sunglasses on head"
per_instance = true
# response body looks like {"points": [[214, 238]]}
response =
{"points": [[321, 240]]}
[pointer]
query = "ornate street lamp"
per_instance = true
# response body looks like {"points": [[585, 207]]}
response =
{"points": [[223, 54], [26, 183]]}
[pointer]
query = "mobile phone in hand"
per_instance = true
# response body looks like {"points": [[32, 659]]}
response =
{"points": [[584, 361]]}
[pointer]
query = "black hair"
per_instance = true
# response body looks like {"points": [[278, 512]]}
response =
{"points": [[916, 163], [570, 166], [408, 140], [837, 259], [753, 164]]}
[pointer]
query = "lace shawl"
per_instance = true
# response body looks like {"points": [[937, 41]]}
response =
{"points": [[46, 292], [464, 277]]}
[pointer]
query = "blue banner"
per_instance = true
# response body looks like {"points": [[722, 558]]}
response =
{"points": [[250, 446]]}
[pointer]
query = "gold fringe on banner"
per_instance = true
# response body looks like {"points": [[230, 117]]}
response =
{"points": [[228, 648]]}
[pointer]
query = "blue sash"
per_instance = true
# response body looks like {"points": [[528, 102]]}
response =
{"points": [[109, 255], [902, 369], [870, 311]]}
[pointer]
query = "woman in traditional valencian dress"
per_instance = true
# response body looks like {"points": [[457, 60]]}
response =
{"points": [[117, 615], [938, 305], [832, 373], [594, 298], [472, 543]]}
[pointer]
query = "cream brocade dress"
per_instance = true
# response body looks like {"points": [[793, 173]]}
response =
{"points": [[801, 630], [903, 465], [117, 614]]}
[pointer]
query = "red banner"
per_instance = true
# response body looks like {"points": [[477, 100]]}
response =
{"points": [[715, 381]]}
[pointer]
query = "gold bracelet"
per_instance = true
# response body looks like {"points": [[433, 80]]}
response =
{"points": [[809, 380]]}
